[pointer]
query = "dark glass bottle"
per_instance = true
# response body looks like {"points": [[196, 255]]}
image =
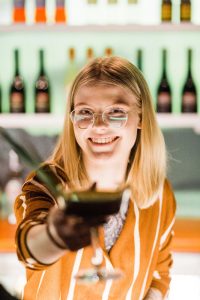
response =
{"points": [[164, 102], [17, 89], [166, 11], [189, 94], [185, 11], [139, 59], [42, 88]]}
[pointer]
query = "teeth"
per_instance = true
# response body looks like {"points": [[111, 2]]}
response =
{"points": [[103, 140]]}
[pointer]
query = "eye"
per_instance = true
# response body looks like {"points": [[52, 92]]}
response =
{"points": [[84, 112], [116, 111]]}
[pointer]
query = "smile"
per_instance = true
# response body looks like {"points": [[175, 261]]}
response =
{"points": [[106, 140]]}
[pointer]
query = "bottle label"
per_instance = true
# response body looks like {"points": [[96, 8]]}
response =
{"points": [[60, 3], [42, 102], [19, 3], [17, 102], [40, 3], [185, 12], [164, 102], [189, 102]]}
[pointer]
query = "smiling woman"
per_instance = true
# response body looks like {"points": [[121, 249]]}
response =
{"points": [[110, 136]]}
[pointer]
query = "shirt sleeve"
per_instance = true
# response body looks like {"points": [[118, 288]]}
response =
{"points": [[161, 275], [31, 209]]}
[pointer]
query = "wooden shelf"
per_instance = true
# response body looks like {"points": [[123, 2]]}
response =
{"points": [[186, 239], [56, 121], [181, 27]]}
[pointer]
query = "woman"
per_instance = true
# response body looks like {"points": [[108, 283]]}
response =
{"points": [[110, 136]]}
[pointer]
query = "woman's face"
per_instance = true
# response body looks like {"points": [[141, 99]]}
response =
{"points": [[101, 142]]}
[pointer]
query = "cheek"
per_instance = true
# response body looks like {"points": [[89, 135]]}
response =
{"points": [[80, 136]]}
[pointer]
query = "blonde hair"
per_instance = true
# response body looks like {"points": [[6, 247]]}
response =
{"points": [[147, 163]]}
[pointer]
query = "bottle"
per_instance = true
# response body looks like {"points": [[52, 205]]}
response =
{"points": [[19, 11], [139, 59], [164, 102], [60, 15], [189, 94], [14, 184], [185, 10], [166, 11], [71, 70], [89, 54], [92, 1], [17, 89], [112, 1], [40, 11], [42, 88], [108, 52]]}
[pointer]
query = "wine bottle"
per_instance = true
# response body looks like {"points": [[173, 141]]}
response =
{"points": [[112, 1], [19, 11], [60, 14], [71, 69], [108, 51], [189, 94], [164, 103], [42, 88], [139, 59], [89, 54], [40, 11], [14, 184], [185, 10], [17, 89], [166, 11], [92, 1]]}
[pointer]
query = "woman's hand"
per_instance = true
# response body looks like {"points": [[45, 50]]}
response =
{"points": [[70, 231]]}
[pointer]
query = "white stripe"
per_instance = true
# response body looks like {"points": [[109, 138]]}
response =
{"points": [[23, 199], [74, 271], [165, 234], [154, 244], [108, 282], [40, 283], [137, 251]]}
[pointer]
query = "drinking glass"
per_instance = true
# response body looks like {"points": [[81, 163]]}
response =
{"points": [[97, 203]]}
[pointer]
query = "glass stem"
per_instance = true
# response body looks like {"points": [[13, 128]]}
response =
{"points": [[97, 257]]}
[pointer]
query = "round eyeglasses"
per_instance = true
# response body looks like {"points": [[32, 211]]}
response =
{"points": [[112, 116]]}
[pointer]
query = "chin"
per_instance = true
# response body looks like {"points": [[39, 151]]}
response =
{"points": [[103, 157]]}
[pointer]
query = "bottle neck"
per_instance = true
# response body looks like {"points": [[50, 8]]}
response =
{"points": [[164, 64], [189, 63], [16, 63], [139, 59], [42, 72]]}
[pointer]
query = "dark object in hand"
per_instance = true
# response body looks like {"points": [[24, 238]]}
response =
{"points": [[93, 203]]}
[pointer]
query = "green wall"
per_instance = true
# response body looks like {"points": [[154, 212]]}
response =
{"points": [[56, 42]]}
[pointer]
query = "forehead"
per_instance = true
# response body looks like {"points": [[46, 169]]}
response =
{"points": [[102, 94]]}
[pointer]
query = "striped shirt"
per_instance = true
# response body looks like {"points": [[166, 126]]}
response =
{"points": [[141, 251]]}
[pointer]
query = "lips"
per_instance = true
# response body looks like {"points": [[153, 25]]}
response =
{"points": [[103, 140]]}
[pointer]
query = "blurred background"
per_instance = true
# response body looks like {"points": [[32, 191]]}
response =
{"points": [[43, 44]]}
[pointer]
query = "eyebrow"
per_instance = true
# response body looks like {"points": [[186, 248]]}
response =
{"points": [[118, 100]]}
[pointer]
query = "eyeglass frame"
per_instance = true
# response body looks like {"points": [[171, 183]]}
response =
{"points": [[100, 114]]}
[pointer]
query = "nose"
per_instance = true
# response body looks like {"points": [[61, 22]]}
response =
{"points": [[98, 121]]}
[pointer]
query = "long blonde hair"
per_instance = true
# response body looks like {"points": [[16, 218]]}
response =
{"points": [[147, 163]]}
